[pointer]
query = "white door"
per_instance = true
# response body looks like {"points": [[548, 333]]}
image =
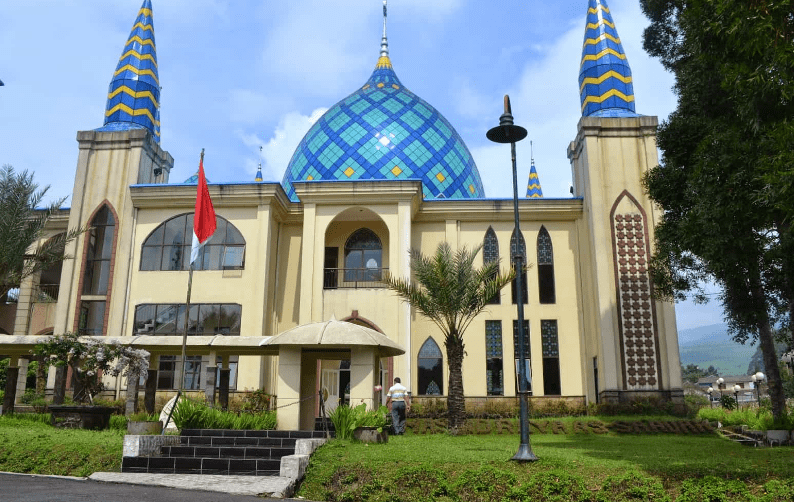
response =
{"points": [[329, 382]]}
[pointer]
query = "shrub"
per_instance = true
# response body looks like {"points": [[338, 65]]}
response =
{"points": [[481, 483], [778, 491], [119, 405], [551, 486], [429, 408], [728, 402], [256, 401], [713, 489], [694, 403], [347, 419], [557, 408], [32, 398], [118, 422], [631, 486], [193, 414]]}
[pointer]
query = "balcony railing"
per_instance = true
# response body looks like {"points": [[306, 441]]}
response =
{"points": [[47, 293], [353, 278]]}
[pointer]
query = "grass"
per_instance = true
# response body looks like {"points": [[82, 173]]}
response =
{"points": [[343, 470], [35, 447]]}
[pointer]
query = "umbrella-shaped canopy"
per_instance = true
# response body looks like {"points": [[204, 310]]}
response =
{"points": [[335, 334]]}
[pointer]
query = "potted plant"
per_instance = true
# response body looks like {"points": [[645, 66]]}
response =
{"points": [[89, 359], [143, 424], [360, 424]]}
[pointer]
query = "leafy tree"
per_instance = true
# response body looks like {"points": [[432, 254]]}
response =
{"points": [[450, 291], [726, 183], [21, 227], [691, 373]]}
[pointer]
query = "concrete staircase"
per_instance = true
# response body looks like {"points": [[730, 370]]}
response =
{"points": [[218, 451]]}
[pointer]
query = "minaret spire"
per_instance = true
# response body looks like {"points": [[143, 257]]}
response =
{"points": [[134, 92], [533, 185], [383, 60], [384, 43], [605, 83], [259, 171]]}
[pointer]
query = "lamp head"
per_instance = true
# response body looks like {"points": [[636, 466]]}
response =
{"points": [[760, 376]]}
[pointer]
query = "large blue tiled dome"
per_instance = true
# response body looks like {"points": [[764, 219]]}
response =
{"points": [[383, 131]]}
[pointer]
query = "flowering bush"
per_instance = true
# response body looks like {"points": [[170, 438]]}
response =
{"points": [[90, 358]]}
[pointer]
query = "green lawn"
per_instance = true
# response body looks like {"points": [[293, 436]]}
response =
{"points": [[38, 448], [357, 471]]}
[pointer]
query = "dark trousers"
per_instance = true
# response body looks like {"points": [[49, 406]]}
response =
{"points": [[398, 417]]}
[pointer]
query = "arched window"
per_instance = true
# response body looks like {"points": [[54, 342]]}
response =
{"points": [[431, 370], [363, 256], [490, 254], [168, 246], [96, 272], [516, 245], [545, 267]]}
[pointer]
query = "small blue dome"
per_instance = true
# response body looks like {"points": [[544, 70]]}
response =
{"points": [[383, 131]]}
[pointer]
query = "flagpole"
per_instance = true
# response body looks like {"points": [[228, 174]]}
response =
{"points": [[181, 386], [187, 310]]}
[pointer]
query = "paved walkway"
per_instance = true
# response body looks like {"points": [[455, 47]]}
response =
{"points": [[269, 486], [113, 487]]}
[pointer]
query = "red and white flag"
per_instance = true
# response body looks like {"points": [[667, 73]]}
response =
{"points": [[204, 220]]}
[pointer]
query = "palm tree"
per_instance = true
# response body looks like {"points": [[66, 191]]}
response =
{"points": [[22, 225], [451, 292]]}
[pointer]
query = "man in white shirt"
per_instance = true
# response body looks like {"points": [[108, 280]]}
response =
{"points": [[400, 404]]}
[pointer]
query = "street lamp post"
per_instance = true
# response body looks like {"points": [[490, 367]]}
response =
{"points": [[507, 132], [719, 383], [757, 379], [710, 391], [736, 389]]}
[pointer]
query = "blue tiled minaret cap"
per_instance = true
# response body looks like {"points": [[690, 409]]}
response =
{"points": [[605, 86], [134, 92], [194, 179], [383, 131], [533, 185]]}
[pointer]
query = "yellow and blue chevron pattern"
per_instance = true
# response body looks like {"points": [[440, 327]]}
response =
{"points": [[134, 93], [605, 85], [533, 185]]}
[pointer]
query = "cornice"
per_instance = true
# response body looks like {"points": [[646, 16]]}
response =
{"points": [[500, 210]]}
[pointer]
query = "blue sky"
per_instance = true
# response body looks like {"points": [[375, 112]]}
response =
{"points": [[237, 75]]}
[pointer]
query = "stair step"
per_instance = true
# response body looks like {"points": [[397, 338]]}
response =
{"points": [[196, 465], [248, 452], [237, 441]]}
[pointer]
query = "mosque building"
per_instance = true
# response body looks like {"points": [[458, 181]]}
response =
{"points": [[381, 172]]}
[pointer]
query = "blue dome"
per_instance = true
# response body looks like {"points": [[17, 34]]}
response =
{"points": [[383, 131]]}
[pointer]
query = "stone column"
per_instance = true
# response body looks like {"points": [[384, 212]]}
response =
{"points": [[59, 389], [22, 378], [209, 381], [131, 405], [11, 386], [288, 390], [151, 391], [223, 388]]}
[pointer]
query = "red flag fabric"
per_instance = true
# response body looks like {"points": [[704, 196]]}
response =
{"points": [[204, 219]]}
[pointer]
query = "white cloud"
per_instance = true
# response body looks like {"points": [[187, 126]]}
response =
{"points": [[277, 151]]}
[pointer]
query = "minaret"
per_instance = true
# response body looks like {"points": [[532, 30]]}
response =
{"points": [[533, 185], [605, 87], [126, 151], [259, 171], [134, 93], [633, 344]]}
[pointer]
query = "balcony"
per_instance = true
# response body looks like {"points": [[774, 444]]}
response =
{"points": [[354, 278]]}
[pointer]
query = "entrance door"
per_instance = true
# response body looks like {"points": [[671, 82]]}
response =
{"points": [[330, 386]]}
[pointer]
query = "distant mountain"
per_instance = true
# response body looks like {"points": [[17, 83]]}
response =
{"points": [[712, 346]]}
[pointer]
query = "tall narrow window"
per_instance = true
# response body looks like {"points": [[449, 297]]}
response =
{"points": [[545, 267], [363, 256], [493, 355], [527, 353], [96, 273], [518, 245], [490, 254], [551, 357], [431, 371]]}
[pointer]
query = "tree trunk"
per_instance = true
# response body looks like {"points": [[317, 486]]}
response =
{"points": [[456, 405], [41, 375], [767, 343]]}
